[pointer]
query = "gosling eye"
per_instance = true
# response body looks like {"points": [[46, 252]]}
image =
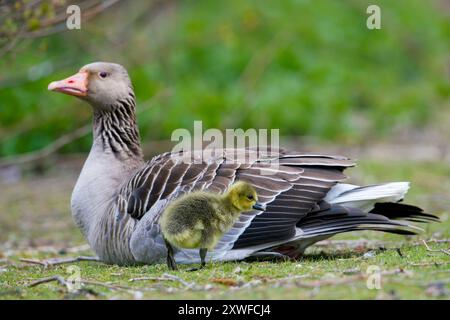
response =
{"points": [[250, 197], [103, 74]]}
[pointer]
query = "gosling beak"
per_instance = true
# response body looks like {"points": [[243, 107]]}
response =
{"points": [[75, 85], [259, 206]]}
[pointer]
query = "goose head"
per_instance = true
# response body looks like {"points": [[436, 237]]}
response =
{"points": [[244, 197], [102, 84]]}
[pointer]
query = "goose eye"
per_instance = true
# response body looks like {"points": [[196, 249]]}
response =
{"points": [[103, 74], [250, 197]]}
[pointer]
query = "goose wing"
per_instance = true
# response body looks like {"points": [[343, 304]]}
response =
{"points": [[290, 184], [300, 183]]}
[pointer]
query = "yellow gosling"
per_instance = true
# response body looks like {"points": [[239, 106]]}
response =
{"points": [[199, 219]]}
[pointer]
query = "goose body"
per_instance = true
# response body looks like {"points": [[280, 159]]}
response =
{"points": [[119, 198]]}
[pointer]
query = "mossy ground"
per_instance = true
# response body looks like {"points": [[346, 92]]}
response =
{"points": [[35, 223]]}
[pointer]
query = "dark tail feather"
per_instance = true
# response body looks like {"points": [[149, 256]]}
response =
{"points": [[402, 211], [337, 219]]}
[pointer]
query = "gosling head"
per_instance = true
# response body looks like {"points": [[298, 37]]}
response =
{"points": [[244, 197], [102, 84]]}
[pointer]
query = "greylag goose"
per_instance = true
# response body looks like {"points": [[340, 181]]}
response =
{"points": [[199, 219], [118, 197]]}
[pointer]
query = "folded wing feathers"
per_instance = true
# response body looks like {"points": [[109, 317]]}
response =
{"points": [[294, 202], [292, 185]]}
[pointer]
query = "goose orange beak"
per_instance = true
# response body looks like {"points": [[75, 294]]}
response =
{"points": [[75, 85]]}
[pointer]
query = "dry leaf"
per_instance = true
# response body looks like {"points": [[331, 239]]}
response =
{"points": [[225, 281]]}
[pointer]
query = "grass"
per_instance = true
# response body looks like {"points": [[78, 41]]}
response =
{"points": [[256, 280], [334, 269]]}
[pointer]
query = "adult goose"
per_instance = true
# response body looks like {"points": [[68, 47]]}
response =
{"points": [[119, 197]]}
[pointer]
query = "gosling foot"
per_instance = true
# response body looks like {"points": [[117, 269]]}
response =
{"points": [[170, 259], [195, 269], [172, 264], [202, 253]]}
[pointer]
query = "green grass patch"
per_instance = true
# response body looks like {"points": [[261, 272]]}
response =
{"points": [[321, 274]]}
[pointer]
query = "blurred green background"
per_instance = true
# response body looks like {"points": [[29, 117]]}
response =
{"points": [[310, 68]]}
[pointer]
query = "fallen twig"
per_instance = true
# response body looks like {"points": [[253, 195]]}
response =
{"points": [[344, 280], [65, 283], [58, 261], [114, 286], [167, 277], [33, 261], [150, 279], [319, 283], [188, 285], [58, 279], [290, 278], [439, 240], [447, 252], [428, 264]]}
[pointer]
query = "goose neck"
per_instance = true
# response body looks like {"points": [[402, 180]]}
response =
{"points": [[116, 131]]}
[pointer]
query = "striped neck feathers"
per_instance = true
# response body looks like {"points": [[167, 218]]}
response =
{"points": [[116, 129]]}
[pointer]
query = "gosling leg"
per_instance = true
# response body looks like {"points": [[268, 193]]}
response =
{"points": [[202, 253], [170, 259]]}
